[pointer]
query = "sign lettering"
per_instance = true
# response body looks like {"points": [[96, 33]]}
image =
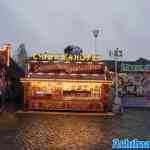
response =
{"points": [[66, 68], [129, 67], [65, 57]]}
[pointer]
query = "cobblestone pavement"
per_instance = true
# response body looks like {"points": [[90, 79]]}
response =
{"points": [[65, 132]]}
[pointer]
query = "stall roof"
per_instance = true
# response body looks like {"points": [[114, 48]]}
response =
{"points": [[111, 63]]}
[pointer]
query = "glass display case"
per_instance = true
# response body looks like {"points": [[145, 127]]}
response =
{"points": [[65, 94]]}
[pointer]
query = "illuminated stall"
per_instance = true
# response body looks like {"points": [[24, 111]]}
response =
{"points": [[65, 82], [135, 79]]}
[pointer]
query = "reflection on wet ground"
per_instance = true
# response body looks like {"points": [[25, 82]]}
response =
{"points": [[65, 132]]}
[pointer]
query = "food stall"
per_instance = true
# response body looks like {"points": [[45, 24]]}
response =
{"points": [[135, 79], [61, 84]]}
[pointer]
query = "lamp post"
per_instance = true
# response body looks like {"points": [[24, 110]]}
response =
{"points": [[116, 54], [96, 33], [116, 72]]}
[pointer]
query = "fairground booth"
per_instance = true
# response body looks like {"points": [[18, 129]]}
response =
{"points": [[135, 78], [66, 82]]}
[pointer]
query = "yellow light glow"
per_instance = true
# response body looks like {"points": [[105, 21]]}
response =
{"points": [[49, 56]]}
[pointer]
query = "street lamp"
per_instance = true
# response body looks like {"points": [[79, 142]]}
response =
{"points": [[116, 54], [95, 34]]}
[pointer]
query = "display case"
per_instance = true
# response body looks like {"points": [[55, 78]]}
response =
{"points": [[65, 94]]}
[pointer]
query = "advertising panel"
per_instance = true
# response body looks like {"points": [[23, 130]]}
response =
{"points": [[67, 68], [135, 68], [134, 84], [65, 57]]}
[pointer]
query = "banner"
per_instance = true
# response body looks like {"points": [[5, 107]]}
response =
{"points": [[130, 67], [67, 68], [65, 57]]}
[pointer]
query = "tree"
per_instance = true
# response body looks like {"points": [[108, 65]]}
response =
{"points": [[22, 56], [74, 50]]}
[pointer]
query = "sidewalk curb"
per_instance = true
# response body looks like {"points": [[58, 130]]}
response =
{"points": [[66, 113]]}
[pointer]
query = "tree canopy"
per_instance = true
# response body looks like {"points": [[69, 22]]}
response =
{"points": [[22, 56], [74, 50]]}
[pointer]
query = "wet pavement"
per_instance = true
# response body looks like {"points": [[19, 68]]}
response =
{"points": [[71, 132]]}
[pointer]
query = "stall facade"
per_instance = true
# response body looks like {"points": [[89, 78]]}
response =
{"points": [[65, 82], [135, 79]]}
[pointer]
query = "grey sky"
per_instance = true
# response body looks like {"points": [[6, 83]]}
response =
{"points": [[53, 24]]}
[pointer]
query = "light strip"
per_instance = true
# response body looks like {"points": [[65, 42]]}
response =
{"points": [[68, 80]]}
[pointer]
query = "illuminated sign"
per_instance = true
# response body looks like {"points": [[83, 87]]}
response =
{"points": [[116, 53], [79, 58], [130, 67], [46, 57], [65, 57], [67, 68]]}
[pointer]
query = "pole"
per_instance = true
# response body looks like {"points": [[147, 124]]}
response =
{"points": [[95, 44], [116, 78], [117, 106], [95, 34]]}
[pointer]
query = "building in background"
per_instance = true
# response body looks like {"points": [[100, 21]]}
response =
{"points": [[10, 73], [4, 65]]}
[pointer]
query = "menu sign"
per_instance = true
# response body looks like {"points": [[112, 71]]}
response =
{"points": [[67, 68]]}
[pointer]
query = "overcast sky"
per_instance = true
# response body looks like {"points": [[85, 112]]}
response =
{"points": [[51, 25]]}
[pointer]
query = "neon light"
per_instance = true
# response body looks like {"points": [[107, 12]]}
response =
{"points": [[66, 57]]}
